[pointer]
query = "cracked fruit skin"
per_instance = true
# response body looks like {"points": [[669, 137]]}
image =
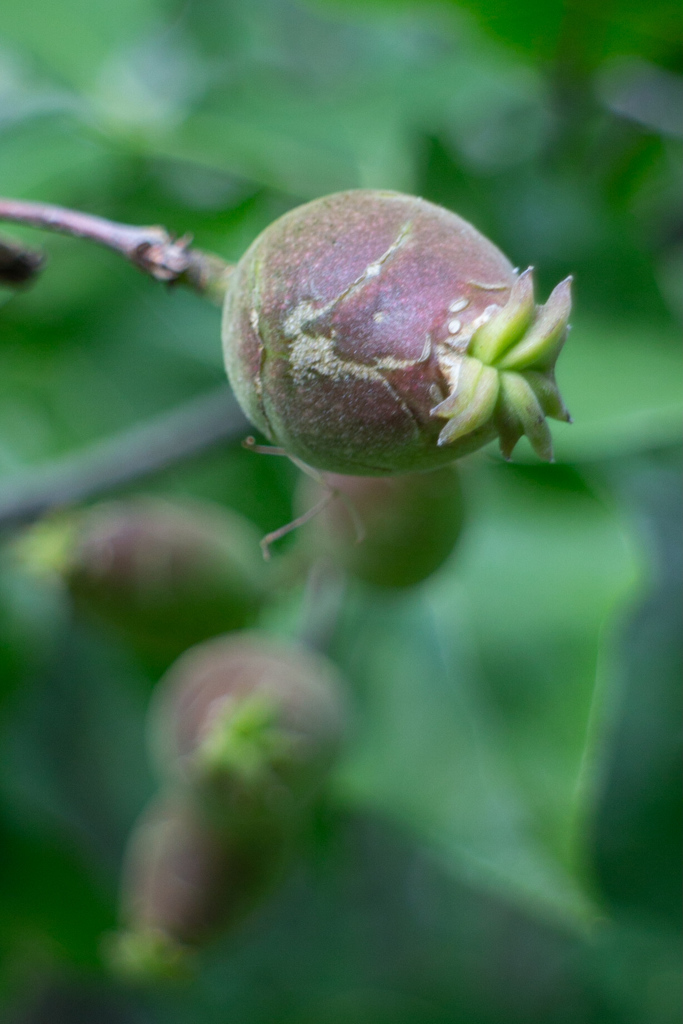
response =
{"points": [[373, 333]]}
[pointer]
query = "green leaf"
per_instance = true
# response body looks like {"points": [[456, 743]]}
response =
{"points": [[72, 39], [481, 692]]}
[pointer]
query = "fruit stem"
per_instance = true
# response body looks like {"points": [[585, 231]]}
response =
{"points": [[151, 249]]}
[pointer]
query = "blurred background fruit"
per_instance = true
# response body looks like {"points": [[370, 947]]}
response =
{"points": [[245, 731], [388, 531], [164, 574], [250, 726], [182, 884]]}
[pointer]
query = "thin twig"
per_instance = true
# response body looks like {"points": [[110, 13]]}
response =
{"points": [[152, 249], [270, 538], [122, 459]]}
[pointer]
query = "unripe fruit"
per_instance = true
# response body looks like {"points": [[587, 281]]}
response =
{"points": [[250, 726], [166, 574], [374, 333], [181, 884], [410, 524], [173, 880]]}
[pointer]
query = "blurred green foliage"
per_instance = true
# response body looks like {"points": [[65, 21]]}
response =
{"points": [[502, 838]]}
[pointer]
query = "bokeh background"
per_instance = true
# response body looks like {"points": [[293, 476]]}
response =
{"points": [[501, 839]]}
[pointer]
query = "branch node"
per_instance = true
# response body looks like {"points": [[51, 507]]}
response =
{"points": [[19, 266], [151, 249]]}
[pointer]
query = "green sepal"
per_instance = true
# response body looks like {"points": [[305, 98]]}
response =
{"points": [[472, 403], [243, 740], [47, 548], [519, 399], [542, 343], [146, 955], [512, 387], [491, 340], [548, 394], [508, 425]]}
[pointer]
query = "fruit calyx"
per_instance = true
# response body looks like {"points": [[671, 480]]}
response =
{"points": [[507, 371]]}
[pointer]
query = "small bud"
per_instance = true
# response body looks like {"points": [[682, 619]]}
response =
{"points": [[251, 725], [410, 524], [181, 884], [166, 574], [355, 325]]}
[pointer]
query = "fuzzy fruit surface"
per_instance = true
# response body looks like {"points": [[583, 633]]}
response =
{"points": [[364, 333]]}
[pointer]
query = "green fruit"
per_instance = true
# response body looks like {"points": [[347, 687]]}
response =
{"points": [[410, 524], [374, 333]]}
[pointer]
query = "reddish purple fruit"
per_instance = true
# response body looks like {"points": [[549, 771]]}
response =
{"points": [[374, 333], [250, 725], [165, 574], [174, 878], [182, 883]]}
